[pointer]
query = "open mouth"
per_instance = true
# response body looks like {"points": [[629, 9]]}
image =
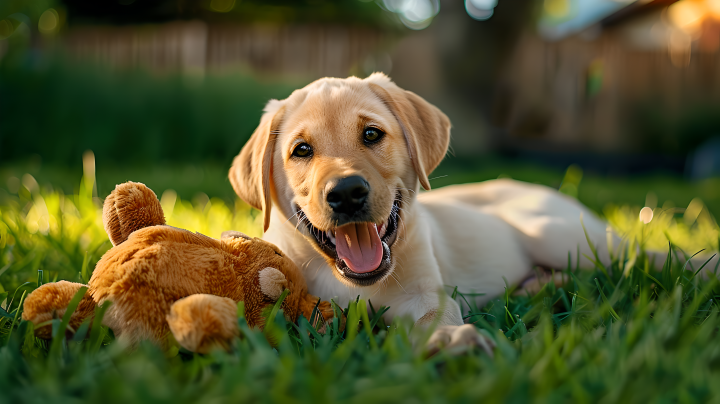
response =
{"points": [[361, 250]]}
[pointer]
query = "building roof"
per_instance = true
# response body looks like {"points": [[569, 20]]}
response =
{"points": [[578, 15]]}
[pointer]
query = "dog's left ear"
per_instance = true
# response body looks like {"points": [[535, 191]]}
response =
{"points": [[250, 174], [425, 127]]}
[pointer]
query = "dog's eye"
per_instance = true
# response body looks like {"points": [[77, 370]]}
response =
{"points": [[372, 135], [302, 150]]}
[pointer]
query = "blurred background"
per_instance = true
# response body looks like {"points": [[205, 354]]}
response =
{"points": [[624, 93]]}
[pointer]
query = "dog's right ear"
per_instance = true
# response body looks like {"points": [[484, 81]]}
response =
{"points": [[250, 174]]}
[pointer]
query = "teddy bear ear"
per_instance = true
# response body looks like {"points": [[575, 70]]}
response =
{"points": [[272, 282], [131, 206]]}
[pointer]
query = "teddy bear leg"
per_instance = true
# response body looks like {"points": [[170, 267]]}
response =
{"points": [[201, 323], [50, 301]]}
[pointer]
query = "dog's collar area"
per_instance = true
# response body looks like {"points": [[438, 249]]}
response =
{"points": [[388, 233]]}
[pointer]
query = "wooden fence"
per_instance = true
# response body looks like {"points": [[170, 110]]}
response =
{"points": [[196, 47]]}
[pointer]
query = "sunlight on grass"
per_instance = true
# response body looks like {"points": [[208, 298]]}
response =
{"points": [[212, 217], [41, 229], [690, 233]]}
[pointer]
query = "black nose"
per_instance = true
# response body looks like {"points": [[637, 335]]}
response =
{"points": [[348, 195]]}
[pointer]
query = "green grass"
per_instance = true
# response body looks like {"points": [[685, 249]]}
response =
{"points": [[626, 333]]}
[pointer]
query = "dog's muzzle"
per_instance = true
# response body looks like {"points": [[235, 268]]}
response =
{"points": [[361, 251]]}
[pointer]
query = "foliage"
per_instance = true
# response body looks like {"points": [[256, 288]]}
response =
{"points": [[174, 118], [625, 333]]}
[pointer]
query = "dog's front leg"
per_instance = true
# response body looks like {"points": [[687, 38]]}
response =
{"points": [[450, 332], [436, 311]]}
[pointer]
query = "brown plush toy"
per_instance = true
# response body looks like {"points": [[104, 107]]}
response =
{"points": [[160, 279]]}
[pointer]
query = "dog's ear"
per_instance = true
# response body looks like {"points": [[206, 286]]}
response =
{"points": [[250, 174], [425, 127]]}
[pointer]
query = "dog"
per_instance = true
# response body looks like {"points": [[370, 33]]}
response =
{"points": [[336, 169]]}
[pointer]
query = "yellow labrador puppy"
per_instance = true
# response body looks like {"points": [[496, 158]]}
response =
{"points": [[336, 169]]}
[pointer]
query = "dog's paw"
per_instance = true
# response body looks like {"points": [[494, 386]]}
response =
{"points": [[459, 339]]}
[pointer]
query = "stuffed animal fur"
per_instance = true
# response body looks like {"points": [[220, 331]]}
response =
{"points": [[161, 279]]}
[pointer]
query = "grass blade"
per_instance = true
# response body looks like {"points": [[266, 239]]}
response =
{"points": [[97, 333], [362, 310], [597, 260], [612, 311], [83, 270], [270, 331], [17, 313], [652, 278], [702, 266], [378, 316], [666, 272], [9, 305]]}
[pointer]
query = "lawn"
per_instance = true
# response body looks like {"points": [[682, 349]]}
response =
{"points": [[635, 331]]}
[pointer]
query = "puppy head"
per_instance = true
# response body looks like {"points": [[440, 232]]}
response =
{"points": [[342, 158]]}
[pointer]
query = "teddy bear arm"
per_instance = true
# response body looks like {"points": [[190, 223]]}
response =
{"points": [[50, 301]]}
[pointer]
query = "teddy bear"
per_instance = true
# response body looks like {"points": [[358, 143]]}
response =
{"points": [[162, 279]]}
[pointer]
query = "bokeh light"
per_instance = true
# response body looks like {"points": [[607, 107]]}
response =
{"points": [[686, 14], [414, 14], [646, 215], [556, 8], [714, 8], [49, 22], [480, 10], [689, 15], [6, 28], [222, 6]]}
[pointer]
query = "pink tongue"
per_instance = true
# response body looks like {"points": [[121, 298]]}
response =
{"points": [[358, 244]]}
